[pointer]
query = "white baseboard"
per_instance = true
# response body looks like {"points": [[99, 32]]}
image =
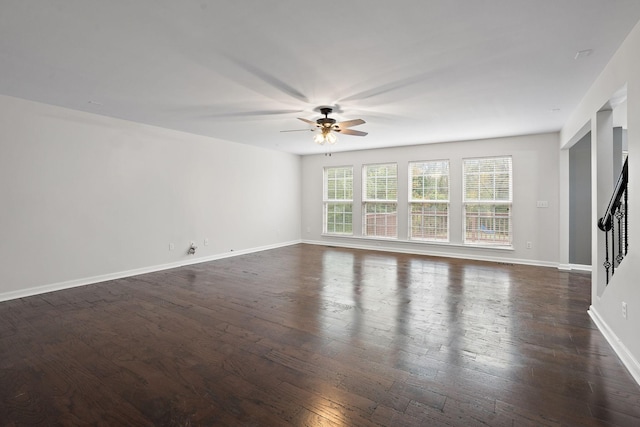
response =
{"points": [[427, 252], [574, 267], [37, 290], [580, 267], [630, 362]]}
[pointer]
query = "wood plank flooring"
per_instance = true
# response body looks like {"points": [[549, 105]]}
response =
{"points": [[315, 336]]}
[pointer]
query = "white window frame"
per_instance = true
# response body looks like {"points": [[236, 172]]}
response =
{"points": [[427, 204], [346, 201], [488, 226], [384, 207]]}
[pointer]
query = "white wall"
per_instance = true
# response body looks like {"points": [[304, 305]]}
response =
{"points": [[535, 177], [623, 69], [85, 197], [580, 223]]}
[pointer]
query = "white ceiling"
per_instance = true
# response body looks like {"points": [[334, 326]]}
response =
{"points": [[417, 71]]}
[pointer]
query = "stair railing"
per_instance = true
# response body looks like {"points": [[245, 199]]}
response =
{"points": [[615, 222]]}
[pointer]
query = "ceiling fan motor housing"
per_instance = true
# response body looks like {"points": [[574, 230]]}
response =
{"points": [[326, 121]]}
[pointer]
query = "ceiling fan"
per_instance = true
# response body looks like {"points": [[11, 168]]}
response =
{"points": [[328, 126]]}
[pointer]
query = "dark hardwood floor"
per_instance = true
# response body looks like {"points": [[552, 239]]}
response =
{"points": [[318, 336]]}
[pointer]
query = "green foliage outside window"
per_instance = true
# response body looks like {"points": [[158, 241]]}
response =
{"points": [[381, 182]]}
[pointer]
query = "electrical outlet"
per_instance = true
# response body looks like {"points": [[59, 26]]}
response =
{"points": [[529, 245], [206, 242], [542, 204], [624, 309], [171, 246]]}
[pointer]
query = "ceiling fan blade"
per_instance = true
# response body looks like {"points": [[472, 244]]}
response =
{"points": [[255, 113], [312, 123], [351, 132], [389, 87], [350, 123], [271, 80], [298, 130]]}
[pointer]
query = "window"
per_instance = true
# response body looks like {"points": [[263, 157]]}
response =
{"points": [[487, 201], [429, 200], [380, 197], [338, 200]]}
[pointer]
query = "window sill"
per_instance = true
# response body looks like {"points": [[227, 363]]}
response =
{"points": [[418, 242]]}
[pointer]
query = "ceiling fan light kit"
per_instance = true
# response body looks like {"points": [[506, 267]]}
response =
{"points": [[325, 137], [328, 127]]}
